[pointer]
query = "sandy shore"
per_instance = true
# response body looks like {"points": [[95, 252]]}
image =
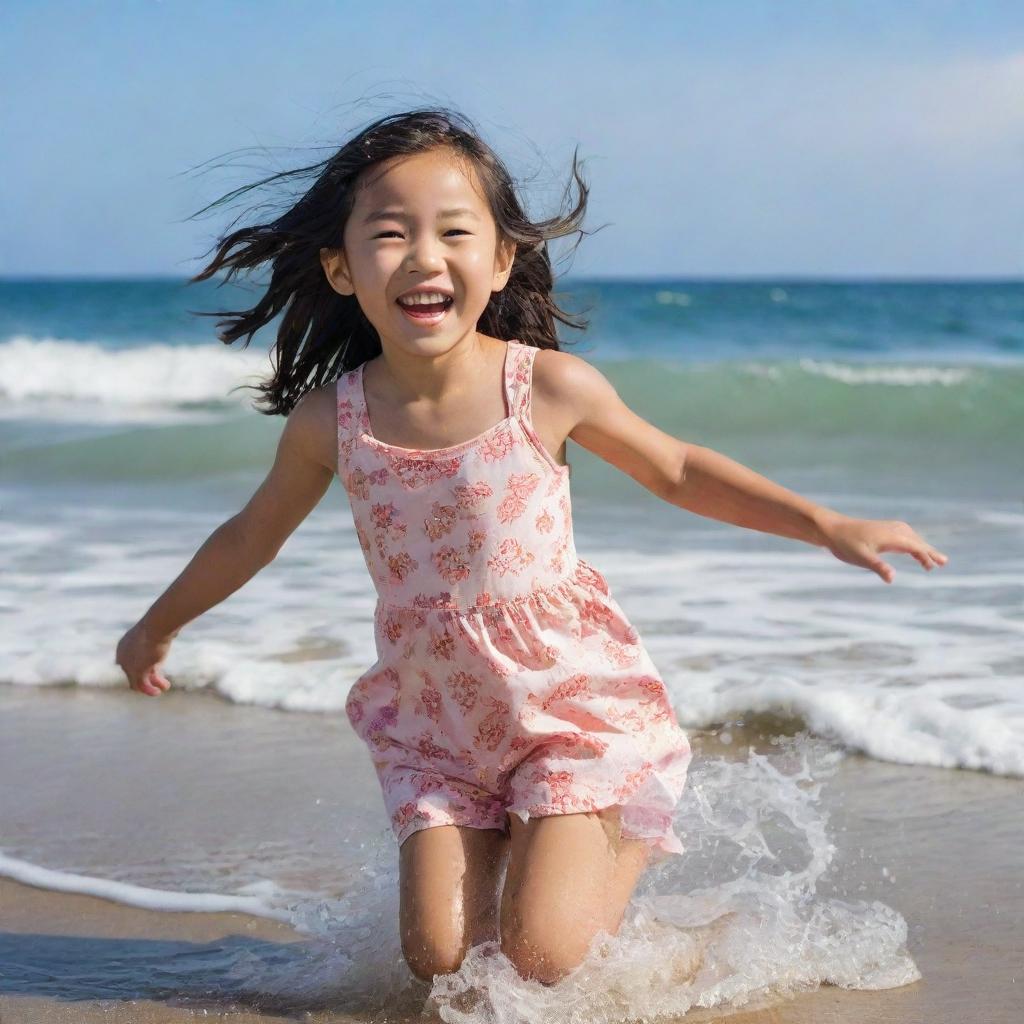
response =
{"points": [[951, 843]]}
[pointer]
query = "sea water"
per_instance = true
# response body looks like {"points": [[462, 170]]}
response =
{"points": [[124, 441]]}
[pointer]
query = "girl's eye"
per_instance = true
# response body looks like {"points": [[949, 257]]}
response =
{"points": [[384, 234]]}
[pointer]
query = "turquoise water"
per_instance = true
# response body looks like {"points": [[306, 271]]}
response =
{"points": [[124, 443], [903, 380]]}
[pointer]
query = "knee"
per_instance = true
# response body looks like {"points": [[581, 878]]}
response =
{"points": [[538, 954], [425, 958]]}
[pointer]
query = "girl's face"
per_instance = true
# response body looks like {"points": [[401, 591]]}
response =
{"points": [[420, 221]]}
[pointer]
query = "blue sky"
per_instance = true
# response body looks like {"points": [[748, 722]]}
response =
{"points": [[854, 139]]}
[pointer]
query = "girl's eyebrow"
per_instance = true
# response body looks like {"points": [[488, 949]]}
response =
{"points": [[398, 215]]}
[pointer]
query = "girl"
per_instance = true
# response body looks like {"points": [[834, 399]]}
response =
{"points": [[513, 717]]}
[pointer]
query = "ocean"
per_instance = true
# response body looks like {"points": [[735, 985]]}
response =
{"points": [[125, 440]]}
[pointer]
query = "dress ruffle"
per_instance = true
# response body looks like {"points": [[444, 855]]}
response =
{"points": [[587, 725]]}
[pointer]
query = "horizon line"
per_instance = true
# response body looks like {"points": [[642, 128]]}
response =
{"points": [[775, 278]]}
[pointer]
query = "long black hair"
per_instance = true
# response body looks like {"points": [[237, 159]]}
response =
{"points": [[323, 334]]}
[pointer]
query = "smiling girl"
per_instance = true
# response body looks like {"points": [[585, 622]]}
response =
{"points": [[514, 718]]}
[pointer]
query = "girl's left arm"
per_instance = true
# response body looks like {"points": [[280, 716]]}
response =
{"points": [[709, 483]]}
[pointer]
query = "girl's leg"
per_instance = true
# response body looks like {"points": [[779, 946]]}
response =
{"points": [[448, 881], [569, 875]]}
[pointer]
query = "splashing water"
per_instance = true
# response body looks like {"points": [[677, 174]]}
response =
{"points": [[736, 920]]}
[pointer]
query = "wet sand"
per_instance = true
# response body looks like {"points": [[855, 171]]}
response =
{"points": [[951, 844]]}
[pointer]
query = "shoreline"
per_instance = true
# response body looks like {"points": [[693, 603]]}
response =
{"points": [[943, 847]]}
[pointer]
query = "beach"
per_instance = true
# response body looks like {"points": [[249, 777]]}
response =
{"points": [[780, 251], [221, 851], [154, 780]]}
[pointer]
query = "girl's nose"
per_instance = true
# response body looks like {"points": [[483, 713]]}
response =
{"points": [[424, 254]]}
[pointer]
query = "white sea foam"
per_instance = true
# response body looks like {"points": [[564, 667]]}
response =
{"points": [[59, 379], [900, 376], [928, 670], [135, 895]]}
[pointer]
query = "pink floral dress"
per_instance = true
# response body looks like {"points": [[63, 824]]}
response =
{"points": [[508, 678]]}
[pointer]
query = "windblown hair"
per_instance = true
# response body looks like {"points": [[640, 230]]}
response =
{"points": [[323, 334]]}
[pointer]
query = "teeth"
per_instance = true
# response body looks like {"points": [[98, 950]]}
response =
{"points": [[423, 299]]}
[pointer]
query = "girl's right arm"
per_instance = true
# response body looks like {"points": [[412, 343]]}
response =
{"points": [[303, 468]]}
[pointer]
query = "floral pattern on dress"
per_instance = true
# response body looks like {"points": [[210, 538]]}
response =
{"points": [[508, 679]]}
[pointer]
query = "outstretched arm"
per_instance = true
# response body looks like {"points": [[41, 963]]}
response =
{"points": [[240, 547], [709, 483]]}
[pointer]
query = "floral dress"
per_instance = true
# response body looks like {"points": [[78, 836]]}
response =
{"points": [[508, 679]]}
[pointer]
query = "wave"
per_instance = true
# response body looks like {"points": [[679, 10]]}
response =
{"points": [[933, 722], [40, 377], [44, 377]]}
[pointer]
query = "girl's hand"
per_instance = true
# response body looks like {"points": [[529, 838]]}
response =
{"points": [[859, 542], [139, 654]]}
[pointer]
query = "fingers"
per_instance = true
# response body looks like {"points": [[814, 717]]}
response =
{"points": [[146, 687], [891, 535], [927, 556], [912, 543], [152, 683], [884, 570], [158, 681]]}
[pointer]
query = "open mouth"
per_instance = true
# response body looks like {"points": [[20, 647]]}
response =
{"points": [[427, 313]]}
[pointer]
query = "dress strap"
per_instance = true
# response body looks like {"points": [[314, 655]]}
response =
{"points": [[349, 412], [519, 379]]}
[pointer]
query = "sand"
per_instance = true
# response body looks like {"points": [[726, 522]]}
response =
{"points": [[951, 842]]}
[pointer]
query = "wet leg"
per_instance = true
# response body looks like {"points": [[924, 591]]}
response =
{"points": [[448, 878], [569, 876]]}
